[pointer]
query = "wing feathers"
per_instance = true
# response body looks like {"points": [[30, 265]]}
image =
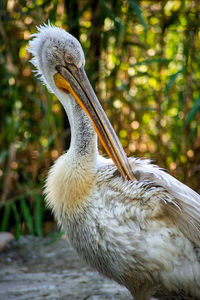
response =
{"points": [[184, 211], [187, 214]]}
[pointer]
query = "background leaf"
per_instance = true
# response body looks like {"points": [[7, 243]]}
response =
{"points": [[193, 111]]}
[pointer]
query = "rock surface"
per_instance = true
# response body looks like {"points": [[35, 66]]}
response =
{"points": [[48, 268], [5, 238]]}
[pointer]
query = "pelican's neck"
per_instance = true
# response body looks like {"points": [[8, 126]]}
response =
{"points": [[83, 146], [72, 177]]}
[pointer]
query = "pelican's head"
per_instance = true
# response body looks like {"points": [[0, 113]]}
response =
{"points": [[59, 60], [51, 47]]}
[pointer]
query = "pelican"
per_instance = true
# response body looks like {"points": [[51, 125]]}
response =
{"points": [[126, 217]]}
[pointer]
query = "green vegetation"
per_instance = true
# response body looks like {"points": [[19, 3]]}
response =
{"points": [[143, 59]]}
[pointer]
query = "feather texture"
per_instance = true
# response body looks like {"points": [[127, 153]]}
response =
{"points": [[186, 212]]}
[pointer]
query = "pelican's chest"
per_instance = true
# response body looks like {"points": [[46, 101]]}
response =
{"points": [[68, 186]]}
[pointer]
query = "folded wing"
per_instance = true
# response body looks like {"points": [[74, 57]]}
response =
{"points": [[186, 212]]}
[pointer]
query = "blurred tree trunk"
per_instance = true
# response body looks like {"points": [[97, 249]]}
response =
{"points": [[72, 11], [161, 67], [95, 42]]}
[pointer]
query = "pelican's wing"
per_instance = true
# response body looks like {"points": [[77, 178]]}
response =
{"points": [[187, 214]]}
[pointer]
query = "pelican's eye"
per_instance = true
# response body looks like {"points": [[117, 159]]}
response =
{"points": [[68, 58]]}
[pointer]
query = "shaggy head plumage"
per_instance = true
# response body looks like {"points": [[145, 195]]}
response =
{"points": [[52, 46]]}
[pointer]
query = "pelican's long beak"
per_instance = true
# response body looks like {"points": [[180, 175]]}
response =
{"points": [[74, 80]]}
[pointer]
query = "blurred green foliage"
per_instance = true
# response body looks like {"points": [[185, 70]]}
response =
{"points": [[143, 59]]}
